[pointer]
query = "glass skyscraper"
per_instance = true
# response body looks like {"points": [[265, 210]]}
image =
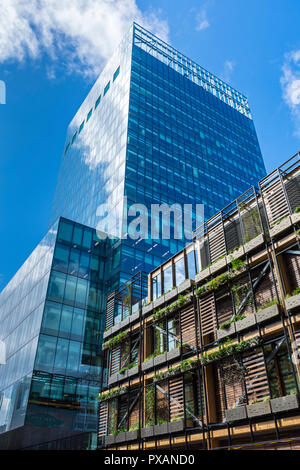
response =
{"points": [[156, 128]]}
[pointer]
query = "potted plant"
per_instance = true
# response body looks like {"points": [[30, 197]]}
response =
{"points": [[161, 428]]}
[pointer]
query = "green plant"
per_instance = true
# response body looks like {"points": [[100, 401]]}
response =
{"points": [[134, 427], [267, 398], [227, 349], [161, 421], [111, 393], [115, 340], [267, 304], [297, 210], [225, 325], [237, 264], [124, 369], [150, 403]]}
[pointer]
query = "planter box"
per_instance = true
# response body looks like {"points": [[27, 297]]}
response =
{"points": [[235, 255], [289, 402], [218, 265], [121, 437], [279, 228], [236, 414], [132, 371], [186, 285], [246, 323], [114, 378], [147, 432], [134, 317], [114, 329], [292, 302], [148, 364], [202, 275], [258, 409], [296, 218], [176, 426], [159, 302], [259, 240], [226, 332], [110, 440], [161, 359], [267, 313], [132, 435], [173, 354], [107, 333], [171, 295], [147, 308], [161, 429]]}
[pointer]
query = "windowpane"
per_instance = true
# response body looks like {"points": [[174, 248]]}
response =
{"points": [[46, 352], [70, 288], [156, 286], [168, 281], [57, 285], [51, 316], [61, 258], [179, 271], [66, 320], [65, 231]]}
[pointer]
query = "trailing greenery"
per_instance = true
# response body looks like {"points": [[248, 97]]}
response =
{"points": [[296, 210], [214, 284], [227, 349], [267, 304], [124, 369], [295, 292], [226, 324], [118, 431], [162, 313], [115, 340], [104, 396]]}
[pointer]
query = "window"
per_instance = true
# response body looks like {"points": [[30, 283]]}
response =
{"points": [[106, 89], [81, 127], [179, 271], [192, 264], [89, 114], [168, 279], [57, 285], [61, 258], [97, 102], [65, 231], [51, 317], [156, 287], [116, 73]]}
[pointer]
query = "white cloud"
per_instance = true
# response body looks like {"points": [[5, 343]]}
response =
{"points": [[229, 67], [80, 34], [290, 83], [202, 21]]}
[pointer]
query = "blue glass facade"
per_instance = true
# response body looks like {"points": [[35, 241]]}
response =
{"points": [[53, 314], [156, 128]]}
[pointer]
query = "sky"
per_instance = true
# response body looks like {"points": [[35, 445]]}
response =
{"points": [[51, 52]]}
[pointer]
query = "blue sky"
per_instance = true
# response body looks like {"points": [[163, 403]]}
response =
{"points": [[52, 51]]}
